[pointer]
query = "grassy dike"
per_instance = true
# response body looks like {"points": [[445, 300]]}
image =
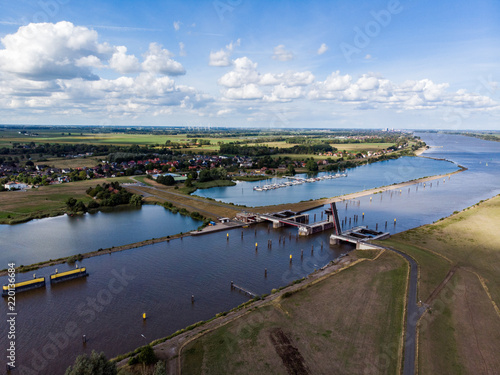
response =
{"points": [[313, 316], [459, 282], [349, 319]]}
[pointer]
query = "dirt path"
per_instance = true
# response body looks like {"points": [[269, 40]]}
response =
{"points": [[438, 289]]}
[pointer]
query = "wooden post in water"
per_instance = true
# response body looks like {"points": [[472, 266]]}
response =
{"points": [[192, 298], [265, 272], [84, 339], [376, 226], [241, 234]]}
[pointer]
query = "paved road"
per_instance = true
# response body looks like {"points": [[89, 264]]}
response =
{"points": [[413, 314]]}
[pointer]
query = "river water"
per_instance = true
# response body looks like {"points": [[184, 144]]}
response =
{"points": [[159, 279], [61, 236], [360, 178]]}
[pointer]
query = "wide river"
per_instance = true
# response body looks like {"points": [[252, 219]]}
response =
{"points": [[368, 176], [159, 279]]}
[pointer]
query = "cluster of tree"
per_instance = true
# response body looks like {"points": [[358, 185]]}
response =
{"points": [[312, 165], [165, 180], [261, 150], [98, 364], [109, 195], [112, 194], [28, 179], [213, 174], [309, 149], [63, 149], [234, 149]]}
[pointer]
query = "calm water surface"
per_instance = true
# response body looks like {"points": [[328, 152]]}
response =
{"points": [[62, 236], [365, 177], [161, 278]]}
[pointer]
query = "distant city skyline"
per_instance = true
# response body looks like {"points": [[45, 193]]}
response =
{"points": [[263, 64]]}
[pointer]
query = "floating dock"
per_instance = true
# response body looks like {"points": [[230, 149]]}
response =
{"points": [[68, 275], [24, 286]]}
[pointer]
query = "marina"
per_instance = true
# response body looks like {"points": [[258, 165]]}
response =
{"points": [[294, 181], [204, 265]]}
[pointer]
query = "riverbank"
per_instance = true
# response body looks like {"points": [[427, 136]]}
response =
{"points": [[195, 205], [243, 333], [309, 205], [467, 283], [459, 285]]}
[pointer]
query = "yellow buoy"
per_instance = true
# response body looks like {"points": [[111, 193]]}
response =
{"points": [[290, 256], [144, 316], [394, 220], [227, 235]]}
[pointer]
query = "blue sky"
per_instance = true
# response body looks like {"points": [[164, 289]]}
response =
{"points": [[278, 64]]}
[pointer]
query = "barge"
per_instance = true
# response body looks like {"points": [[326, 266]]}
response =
{"points": [[24, 286], [68, 275]]}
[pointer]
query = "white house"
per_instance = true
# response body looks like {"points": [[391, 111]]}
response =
{"points": [[15, 186]]}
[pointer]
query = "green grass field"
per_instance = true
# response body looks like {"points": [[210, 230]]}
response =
{"points": [[461, 333], [44, 201], [328, 328]]}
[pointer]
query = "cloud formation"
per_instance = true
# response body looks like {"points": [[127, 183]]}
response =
{"points": [[223, 56], [45, 51], [63, 69], [281, 54], [52, 67], [322, 49]]}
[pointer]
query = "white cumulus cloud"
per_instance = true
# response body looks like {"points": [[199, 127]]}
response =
{"points": [[222, 57], [44, 51], [123, 63], [159, 60]]}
